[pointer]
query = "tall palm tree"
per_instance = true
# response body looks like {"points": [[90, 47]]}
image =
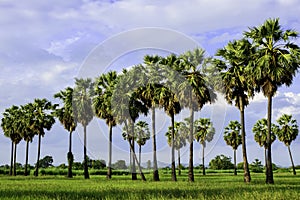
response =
{"points": [[204, 132], [233, 138], [142, 134], [276, 63], [27, 133], [127, 106], [104, 88], [236, 78], [65, 115], [288, 132], [260, 130], [195, 92], [10, 124], [181, 135], [149, 94], [42, 120], [83, 112]]}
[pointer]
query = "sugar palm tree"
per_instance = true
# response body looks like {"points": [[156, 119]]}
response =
{"points": [[142, 134], [236, 77], [104, 88], [126, 107], [276, 63], [260, 130], [27, 134], [195, 92], [149, 94], [65, 115], [83, 112], [42, 120], [9, 124], [181, 135], [233, 138], [288, 132], [204, 132]]}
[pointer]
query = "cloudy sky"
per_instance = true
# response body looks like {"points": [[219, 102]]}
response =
{"points": [[44, 45]]}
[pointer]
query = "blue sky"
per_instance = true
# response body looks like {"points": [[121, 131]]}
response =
{"points": [[45, 45]]}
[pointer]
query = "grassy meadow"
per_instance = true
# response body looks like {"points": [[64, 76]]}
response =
{"points": [[211, 186]]}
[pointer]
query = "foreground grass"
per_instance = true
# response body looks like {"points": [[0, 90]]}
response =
{"points": [[212, 186]]}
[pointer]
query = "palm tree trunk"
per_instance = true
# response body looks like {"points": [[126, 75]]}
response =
{"points": [[140, 153], [203, 166], [11, 158], [15, 160], [133, 175], [139, 166], [86, 170], [26, 158], [191, 139], [155, 168], [269, 171], [266, 161], [179, 166], [173, 151], [294, 171], [70, 157], [108, 176], [38, 156], [247, 177], [234, 156]]}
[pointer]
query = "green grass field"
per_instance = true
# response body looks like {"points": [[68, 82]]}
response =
{"points": [[211, 186]]}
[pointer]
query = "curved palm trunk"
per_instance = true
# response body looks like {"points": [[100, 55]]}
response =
{"points": [[294, 171], [108, 176], [234, 156], [203, 167], [191, 139], [70, 157], [11, 158], [155, 168], [133, 173], [173, 151], [138, 164], [86, 170], [179, 166], [38, 156], [269, 171], [15, 160], [26, 158], [247, 177]]}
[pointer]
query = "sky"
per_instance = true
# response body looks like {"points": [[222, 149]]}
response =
{"points": [[44, 45]]}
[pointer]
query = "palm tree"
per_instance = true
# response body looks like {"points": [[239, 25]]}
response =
{"points": [[233, 138], [287, 133], [149, 94], [260, 130], [10, 127], [181, 135], [83, 112], [276, 63], [142, 134], [204, 132], [65, 115], [195, 93], [104, 88], [27, 134], [42, 120], [236, 82], [127, 106]]}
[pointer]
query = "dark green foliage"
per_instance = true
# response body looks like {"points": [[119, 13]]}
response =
{"points": [[46, 162], [120, 164], [221, 162], [256, 166]]}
